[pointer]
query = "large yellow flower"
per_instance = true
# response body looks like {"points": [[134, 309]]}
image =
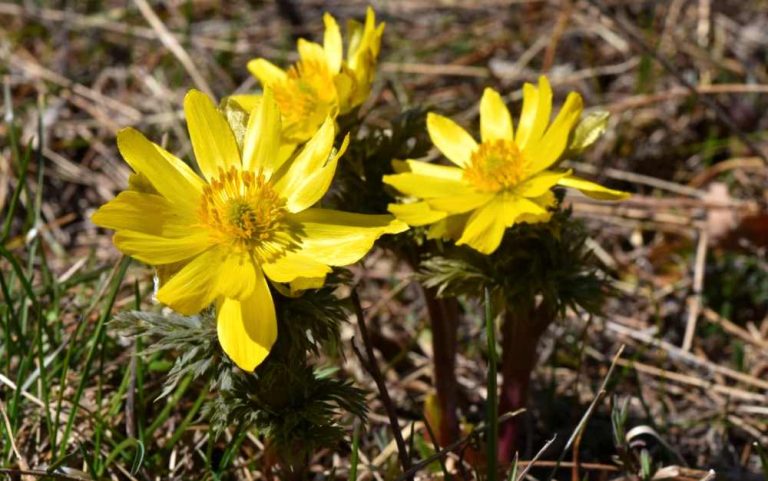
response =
{"points": [[502, 181], [323, 82], [248, 218]]}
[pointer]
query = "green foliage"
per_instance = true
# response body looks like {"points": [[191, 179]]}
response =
{"points": [[358, 183], [192, 337], [294, 404], [311, 322], [291, 403], [547, 260]]}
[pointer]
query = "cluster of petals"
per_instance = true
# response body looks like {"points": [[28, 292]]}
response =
{"points": [[504, 180], [247, 219], [324, 82]]}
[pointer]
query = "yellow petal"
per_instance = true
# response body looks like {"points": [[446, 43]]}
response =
{"points": [[591, 189], [458, 204], [346, 87], [146, 213], [192, 289], [237, 275], [417, 213], [354, 39], [332, 43], [247, 328], [515, 208], [140, 183], [262, 137], [212, 139], [169, 175], [495, 120], [303, 283], [453, 141], [541, 183], [426, 187], [292, 266], [316, 184], [547, 201], [376, 31], [364, 40], [449, 228], [485, 228], [537, 108], [340, 238], [155, 249], [247, 102], [285, 151], [267, 72], [428, 169], [308, 177], [311, 52], [544, 152]]}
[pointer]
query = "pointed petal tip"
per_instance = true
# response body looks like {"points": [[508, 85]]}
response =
{"points": [[397, 226], [194, 95]]}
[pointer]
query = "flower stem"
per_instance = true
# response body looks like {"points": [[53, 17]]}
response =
{"points": [[373, 369], [521, 330], [493, 409], [444, 320]]}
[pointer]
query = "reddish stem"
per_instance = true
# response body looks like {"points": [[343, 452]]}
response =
{"points": [[444, 318], [521, 331]]}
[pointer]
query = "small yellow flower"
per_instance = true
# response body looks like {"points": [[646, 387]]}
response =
{"points": [[322, 83], [502, 181], [217, 238]]}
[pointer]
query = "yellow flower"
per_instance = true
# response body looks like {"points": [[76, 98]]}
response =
{"points": [[502, 181], [247, 219], [322, 83]]}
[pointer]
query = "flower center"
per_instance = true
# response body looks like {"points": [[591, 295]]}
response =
{"points": [[242, 209], [307, 93], [495, 166]]}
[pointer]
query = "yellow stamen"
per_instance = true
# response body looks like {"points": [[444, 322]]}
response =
{"points": [[309, 85], [495, 166], [242, 209]]}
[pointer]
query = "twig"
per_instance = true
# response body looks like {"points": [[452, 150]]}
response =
{"points": [[642, 100], [373, 369], [636, 178], [736, 330], [694, 381], [9, 430], [667, 65], [39, 473], [29, 65], [566, 11], [566, 464], [737, 163], [588, 413], [477, 431], [530, 463], [694, 306], [711, 474], [173, 45], [676, 353]]}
